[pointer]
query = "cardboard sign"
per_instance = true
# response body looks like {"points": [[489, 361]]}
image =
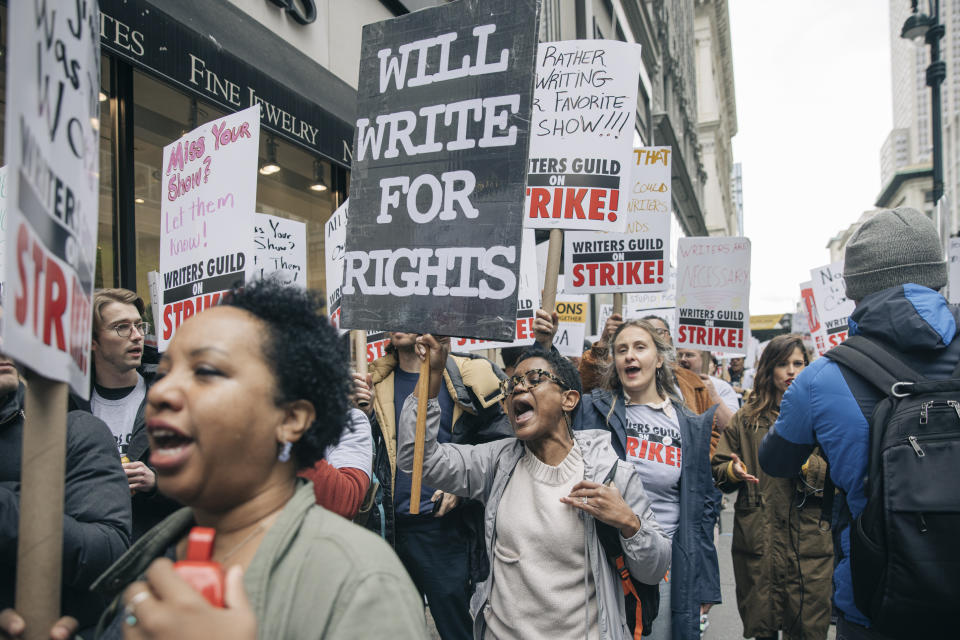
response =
{"points": [[334, 243], [52, 148], [571, 326], [632, 312], [833, 306], [335, 237], [614, 262], [953, 271], [280, 249], [433, 243], [818, 334], [713, 294], [206, 214], [527, 304], [584, 108], [651, 182]]}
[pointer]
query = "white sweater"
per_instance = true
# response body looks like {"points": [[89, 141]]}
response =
{"points": [[541, 588]]}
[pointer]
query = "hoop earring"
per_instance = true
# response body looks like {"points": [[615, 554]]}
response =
{"points": [[284, 454]]}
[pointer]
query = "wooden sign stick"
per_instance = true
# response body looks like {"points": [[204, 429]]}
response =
{"points": [[618, 304], [553, 270], [359, 338], [423, 392], [40, 544]]}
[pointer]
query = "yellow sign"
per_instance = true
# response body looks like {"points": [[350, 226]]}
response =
{"points": [[766, 322]]}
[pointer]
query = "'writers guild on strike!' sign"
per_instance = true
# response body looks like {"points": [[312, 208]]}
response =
{"points": [[52, 149], [433, 239]]}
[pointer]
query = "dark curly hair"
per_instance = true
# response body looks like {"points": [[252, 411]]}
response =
{"points": [[561, 366], [302, 350]]}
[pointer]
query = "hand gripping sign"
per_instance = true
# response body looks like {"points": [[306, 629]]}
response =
{"points": [[713, 294]]}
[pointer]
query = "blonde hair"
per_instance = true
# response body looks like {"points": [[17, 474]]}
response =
{"points": [[665, 379], [103, 297]]}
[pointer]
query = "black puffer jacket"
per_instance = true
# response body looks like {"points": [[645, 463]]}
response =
{"points": [[96, 522]]}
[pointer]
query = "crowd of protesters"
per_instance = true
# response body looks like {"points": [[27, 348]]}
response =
{"points": [[560, 498]]}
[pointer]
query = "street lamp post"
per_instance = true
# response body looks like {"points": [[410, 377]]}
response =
{"points": [[929, 27]]}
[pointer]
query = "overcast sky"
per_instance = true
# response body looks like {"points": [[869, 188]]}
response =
{"points": [[813, 107]]}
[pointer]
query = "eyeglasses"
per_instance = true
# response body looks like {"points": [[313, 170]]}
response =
{"points": [[530, 379], [662, 332], [125, 329]]}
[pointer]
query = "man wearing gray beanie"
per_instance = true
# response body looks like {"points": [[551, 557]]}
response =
{"points": [[893, 269]]}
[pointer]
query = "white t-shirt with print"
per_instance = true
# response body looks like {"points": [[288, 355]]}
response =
{"points": [[120, 414], [654, 447]]}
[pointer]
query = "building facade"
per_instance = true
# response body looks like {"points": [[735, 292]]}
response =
{"points": [[716, 115]]}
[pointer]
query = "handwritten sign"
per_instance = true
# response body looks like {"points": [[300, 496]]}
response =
{"points": [[334, 241], [818, 334], [206, 214], [433, 239], [584, 107], [280, 249], [833, 306], [52, 147], [335, 238], [953, 271], [713, 294], [527, 304]]}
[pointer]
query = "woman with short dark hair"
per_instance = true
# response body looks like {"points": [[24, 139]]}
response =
{"points": [[248, 393], [544, 493], [782, 560]]}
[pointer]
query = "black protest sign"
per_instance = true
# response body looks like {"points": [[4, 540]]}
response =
{"points": [[439, 160]]}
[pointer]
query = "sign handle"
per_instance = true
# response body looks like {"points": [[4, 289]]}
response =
{"points": [[553, 270], [359, 338], [40, 544], [423, 391], [618, 304]]}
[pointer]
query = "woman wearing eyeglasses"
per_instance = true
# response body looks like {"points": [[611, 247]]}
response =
{"points": [[543, 496], [668, 448]]}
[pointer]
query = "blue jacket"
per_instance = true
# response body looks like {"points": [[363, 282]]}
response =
{"points": [[694, 570], [829, 404]]}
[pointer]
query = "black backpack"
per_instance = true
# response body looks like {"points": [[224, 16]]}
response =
{"points": [[905, 545], [639, 598]]}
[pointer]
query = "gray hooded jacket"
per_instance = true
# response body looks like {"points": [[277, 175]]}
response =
{"points": [[482, 472]]}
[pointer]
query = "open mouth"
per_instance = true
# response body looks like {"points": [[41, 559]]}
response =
{"points": [[169, 447], [523, 410], [631, 370]]}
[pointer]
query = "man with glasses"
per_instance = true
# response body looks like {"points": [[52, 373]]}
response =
{"points": [[118, 397]]}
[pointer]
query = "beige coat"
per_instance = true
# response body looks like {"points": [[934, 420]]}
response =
{"points": [[782, 558]]}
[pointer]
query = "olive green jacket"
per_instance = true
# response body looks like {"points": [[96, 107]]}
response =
{"points": [[315, 575]]}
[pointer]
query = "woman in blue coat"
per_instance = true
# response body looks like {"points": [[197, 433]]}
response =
{"points": [[670, 448]]}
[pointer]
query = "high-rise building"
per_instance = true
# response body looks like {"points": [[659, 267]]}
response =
{"points": [[716, 114], [906, 157]]}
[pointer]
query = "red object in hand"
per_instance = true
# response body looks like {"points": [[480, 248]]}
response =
{"points": [[204, 575]]}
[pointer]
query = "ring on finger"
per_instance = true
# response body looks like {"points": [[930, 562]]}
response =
{"points": [[584, 500], [129, 611]]}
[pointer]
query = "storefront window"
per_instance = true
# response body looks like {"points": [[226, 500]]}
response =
{"points": [[162, 114], [105, 275]]}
